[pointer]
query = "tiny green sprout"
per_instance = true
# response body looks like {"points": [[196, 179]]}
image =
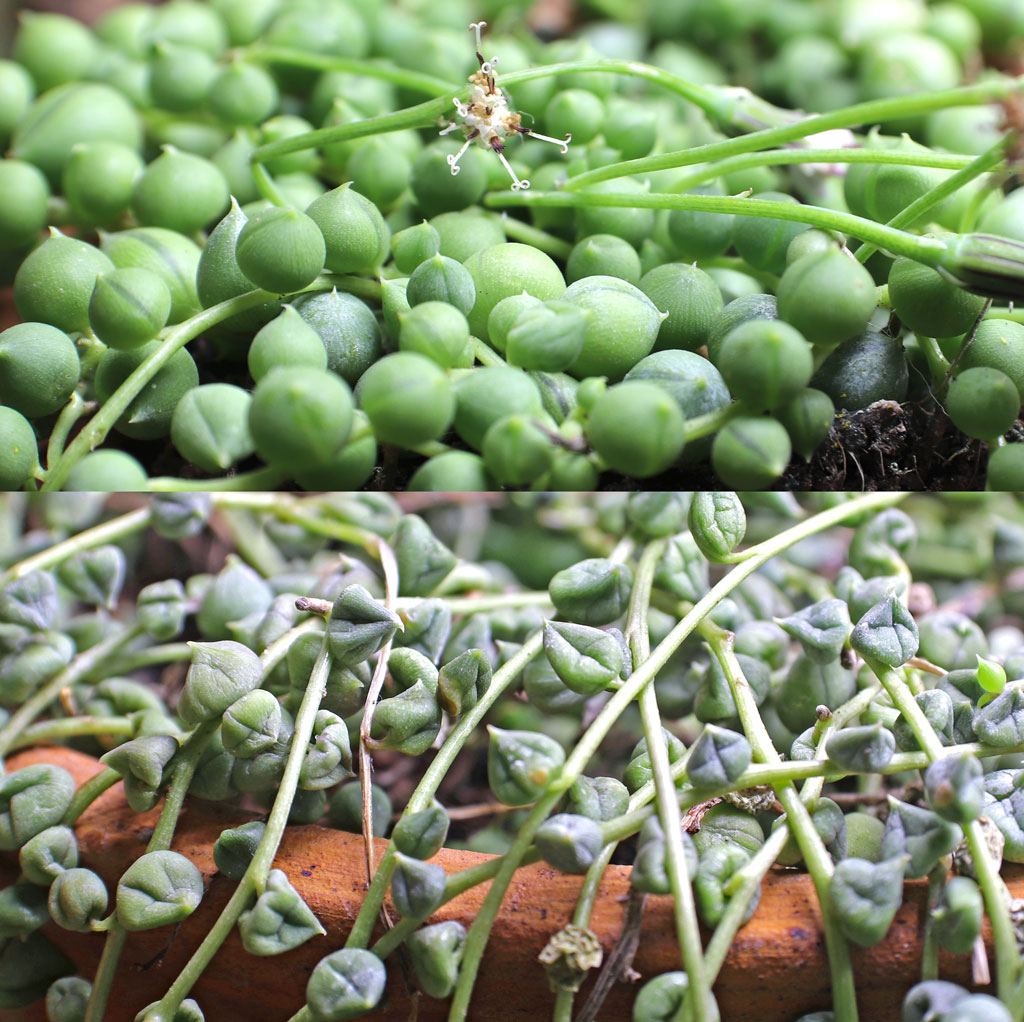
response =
{"points": [[486, 118], [992, 678]]}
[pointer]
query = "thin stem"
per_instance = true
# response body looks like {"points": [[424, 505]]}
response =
{"points": [[1008, 961], [869, 112], [819, 863], [174, 339], [187, 759], [732, 918], [518, 230], [268, 186], [925, 250], [485, 354], [930, 944], [69, 415], [88, 793], [588, 744], [504, 677], [108, 532], [257, 479], [48, 731], [786, 157], [687, 927], [988, 160], [405, 77], [82, 664], [131, 660], [254, 880]]}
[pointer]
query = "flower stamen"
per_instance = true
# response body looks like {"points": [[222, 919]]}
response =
{"points": [[486, 118]]}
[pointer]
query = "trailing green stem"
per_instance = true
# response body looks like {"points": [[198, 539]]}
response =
{"points": [[925, 250], [254, 880], [687, 927], [48, 731], [69, 415], [787, 157], [1008, 961], [174, 339], [163, 833], [504, 677], [88, 793], [819, 863], [107, 532], [988, 160], [81, 665], [589, 743], [869, 112]]}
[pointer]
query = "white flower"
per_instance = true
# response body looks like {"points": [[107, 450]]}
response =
{"points": [[486, 118]]}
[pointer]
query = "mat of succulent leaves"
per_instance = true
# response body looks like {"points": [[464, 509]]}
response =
{"points": [[345, 627]]}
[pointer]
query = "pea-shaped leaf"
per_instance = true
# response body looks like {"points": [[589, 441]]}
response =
{"points": [[958, 915], [345, 985], [436, 952], [179, 515], [48, 854], [417, 887], [427, 627], [821, 629], [94, 576], [860, 594], [251, 724], [407, 666], [234, 848], [717, 523], [920, 835], [520, 764], [979, 1008], [77, 898], [886, 633], [955, 789], [463, 680], [67, 999], [599, 798], [650, 867], [423, 560], [30, 601], [717, 758], [725, 823], [683, 569], [865, 897], [586, 659], [329, 758], [570, 843], [422, 834], [142, 763], [711, 883], [937, 707], [408, 722], [592, 592], [157, 889], [358, 626], [666, 999], [22, 910], [279, 921], [1004, 806], [28, 967], [639, 770], [161, 609], [881, 542], [32, 799], [932, 999], [221, 672], [865, 749], [1001, 722], [807, 685], [188, 1011], [346, 686]]}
